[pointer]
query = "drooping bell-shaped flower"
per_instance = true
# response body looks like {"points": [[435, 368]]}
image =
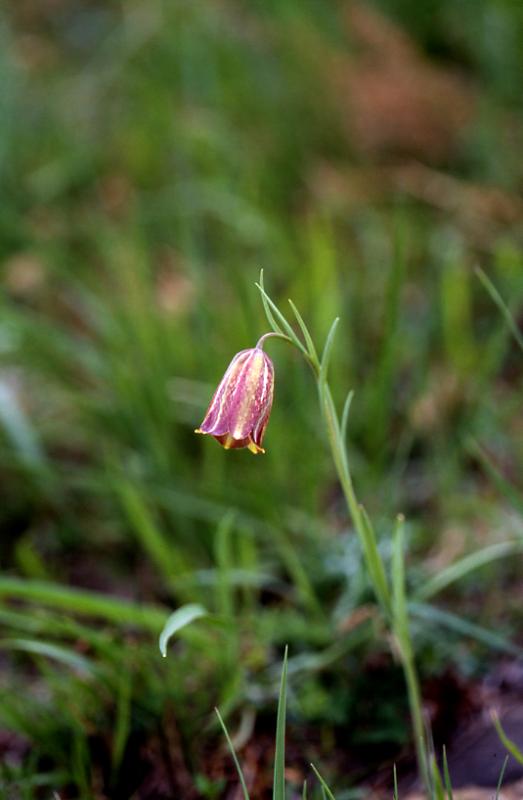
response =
{"points": [[241, 405]]}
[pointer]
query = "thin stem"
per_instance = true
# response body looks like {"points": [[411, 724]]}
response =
{"points": [[361, 523], [377, 574], [415, 703], [261, 340], [398, 623]]}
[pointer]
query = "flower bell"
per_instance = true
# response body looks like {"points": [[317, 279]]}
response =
{"points": [[241, 405]]}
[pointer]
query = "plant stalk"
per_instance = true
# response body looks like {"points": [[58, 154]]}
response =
{"points": [[378, 578]]}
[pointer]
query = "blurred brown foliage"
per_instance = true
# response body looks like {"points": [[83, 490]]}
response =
{"points": [[395, 100]]}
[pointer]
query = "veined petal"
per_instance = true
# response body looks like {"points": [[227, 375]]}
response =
{"points": [[250, 394], [239, 410], [216, 420], [259, 431]]}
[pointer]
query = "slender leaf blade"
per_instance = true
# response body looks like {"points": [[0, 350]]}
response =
{"points": [[501, 776], [283, 326], [266, 307], [306, 335], [498, 300], [345, 415], [50, 650], [323, 784], [508, 743], [179, 619], [446, 775], [278, 791], [327, 352], [459, 569], [234, 757]]}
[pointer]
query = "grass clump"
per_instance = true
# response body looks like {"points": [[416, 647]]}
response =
{"points": [[154, 157]]}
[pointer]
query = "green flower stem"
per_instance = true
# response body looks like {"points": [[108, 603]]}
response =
{"points": [[376, 569], [272, 335], [359, 517], [389, 594]]}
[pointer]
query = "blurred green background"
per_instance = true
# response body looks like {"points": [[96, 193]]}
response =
{"points": [[154, 155]]}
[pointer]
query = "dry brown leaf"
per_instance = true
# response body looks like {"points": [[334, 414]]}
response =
{"points": [[394, 100]]}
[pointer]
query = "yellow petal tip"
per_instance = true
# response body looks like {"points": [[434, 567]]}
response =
{"points": [[255, 449]]}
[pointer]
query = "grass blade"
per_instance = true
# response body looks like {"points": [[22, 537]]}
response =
{"points": [[278, 790], [306, 335], [153, 541], [324, 786], [460, 568], [375, 563], [178, 620], [345, 416], [395, 794], [446, 775], [234, 757], [266, 307], [508, 743], [55, 652], [399, 601], [327, 351], [429, 613], [83, 601], [498, 300], [502, 484], [439, 792], [501, 776]]}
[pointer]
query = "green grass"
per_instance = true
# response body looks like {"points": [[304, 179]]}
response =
{"points": [[154, 158]]}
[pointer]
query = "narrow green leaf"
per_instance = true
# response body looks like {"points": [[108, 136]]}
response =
{"points": [[437, 616], [395, 793], [283, 323], [304, 792], [266, 307], [162, 553], [446, 775], [399, 602], [438, 790], [501, 776], [49, 650], [465, 565], [178, 620], [345, 416], [327, 352], [323, 784], [83, 601], [375, 562], [508, 743], [498, 300], [502, 484], [235, 758], [306, 335], [278, 790]]}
